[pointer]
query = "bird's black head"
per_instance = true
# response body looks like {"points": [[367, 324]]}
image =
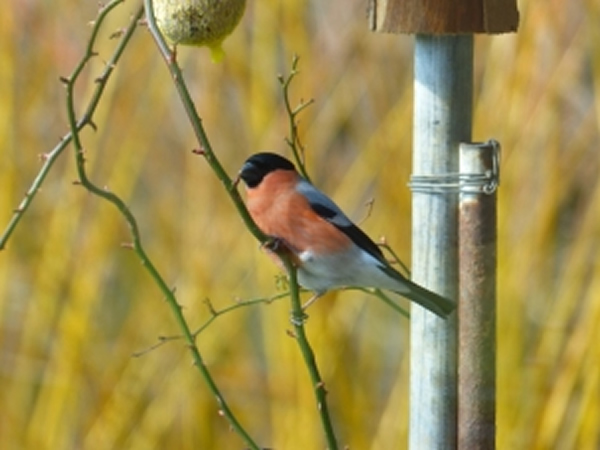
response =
{"points": [[260, 165]]}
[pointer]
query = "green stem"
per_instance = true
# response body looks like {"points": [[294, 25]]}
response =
{"points": [[190, 109], [297, 318], [206, 151]]}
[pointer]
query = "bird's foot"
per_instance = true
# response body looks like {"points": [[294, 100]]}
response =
{"points": [[274, 244], [298, 319]]}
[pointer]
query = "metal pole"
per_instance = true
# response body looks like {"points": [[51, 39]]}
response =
{"points": [[479, 168], [442, 119]]}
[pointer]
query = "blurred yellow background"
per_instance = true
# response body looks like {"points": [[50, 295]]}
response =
{"points": [[75, 305]]}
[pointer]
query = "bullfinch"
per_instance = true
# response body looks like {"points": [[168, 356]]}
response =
{"points": [[328, 250]]}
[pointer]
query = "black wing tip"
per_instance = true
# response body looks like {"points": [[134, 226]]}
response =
{"points": [[362, 240]]}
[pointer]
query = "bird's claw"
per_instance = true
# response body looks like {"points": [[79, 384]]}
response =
{"points": [[274, 244], [298, 319]]}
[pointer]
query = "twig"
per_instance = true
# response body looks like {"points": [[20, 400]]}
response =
{"points": [[86, 119], [395, 258], [214, 315], [369, 204], [381, 296], [293, 141], [162, 340]]}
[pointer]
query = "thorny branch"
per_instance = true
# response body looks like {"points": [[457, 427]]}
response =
{"points": [[51, 157]]}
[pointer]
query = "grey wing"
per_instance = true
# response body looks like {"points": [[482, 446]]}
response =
{"points": [[328, 210]]}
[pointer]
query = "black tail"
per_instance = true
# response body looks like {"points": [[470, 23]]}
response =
{"points": [[430, 300]]}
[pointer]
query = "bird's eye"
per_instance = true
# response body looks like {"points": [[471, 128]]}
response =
{"points": [[252, 175]]}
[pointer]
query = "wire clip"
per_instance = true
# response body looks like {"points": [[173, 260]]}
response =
{"points": [[485, 182]]}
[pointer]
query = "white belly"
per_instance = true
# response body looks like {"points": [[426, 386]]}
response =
{"points": [[354, 268]]}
